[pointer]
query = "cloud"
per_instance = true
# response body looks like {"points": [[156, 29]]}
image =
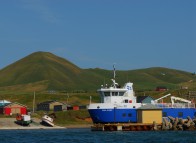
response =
{"points": [[41, 9]]}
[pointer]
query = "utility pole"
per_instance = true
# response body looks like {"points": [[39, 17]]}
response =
{"points": [[90, 99], [34, 102], [67, 98]]}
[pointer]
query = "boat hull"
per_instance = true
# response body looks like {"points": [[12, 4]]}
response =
{"points": [[46, 120], [179, 112], [23, 123], [47, 123], [113, 115], [130, 114], [23, 120]]}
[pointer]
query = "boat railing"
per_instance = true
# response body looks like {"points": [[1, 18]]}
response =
{"points": [[175, 105]]}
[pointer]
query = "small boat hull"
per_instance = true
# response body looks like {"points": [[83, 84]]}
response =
{"points": [[23, 123], [48, 121], [23, 120]]}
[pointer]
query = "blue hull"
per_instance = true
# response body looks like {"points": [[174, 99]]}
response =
{"points": [[113, 115], [179, 112], [130, 115]]}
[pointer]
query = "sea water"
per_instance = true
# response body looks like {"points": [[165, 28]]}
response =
{"points": [[88, 136]]}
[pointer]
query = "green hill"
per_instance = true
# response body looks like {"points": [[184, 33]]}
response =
{"points": [[43, 71]]}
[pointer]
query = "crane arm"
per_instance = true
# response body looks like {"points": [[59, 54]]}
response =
{"points": [[161, 98], [173, 99]]}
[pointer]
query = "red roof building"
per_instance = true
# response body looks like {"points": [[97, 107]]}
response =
{"points": [[13, 108], [161, 88]]}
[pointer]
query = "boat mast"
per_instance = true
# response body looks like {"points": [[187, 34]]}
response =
{"points": [[114, 70], [114, 76]]}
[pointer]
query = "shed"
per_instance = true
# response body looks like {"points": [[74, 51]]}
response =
{"points": [[82, 107], [161, 88], [149, 113], [50, 106], [144, 99], [60, 108], [13, 108], [76, 108]]}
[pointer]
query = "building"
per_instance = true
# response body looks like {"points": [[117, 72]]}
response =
{"points": [[144, 99], [51, 106], [149, 114], [13, 108], [161, 88]]}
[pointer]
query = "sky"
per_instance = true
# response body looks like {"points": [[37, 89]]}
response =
{"points": [[132, 34]]}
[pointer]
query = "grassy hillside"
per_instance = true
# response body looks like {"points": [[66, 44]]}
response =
{"points": [[150, 78], [54, 73], [43, 71]]}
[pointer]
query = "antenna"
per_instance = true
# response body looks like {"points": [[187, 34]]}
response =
{"points": [[114, 70], [113, 80]]}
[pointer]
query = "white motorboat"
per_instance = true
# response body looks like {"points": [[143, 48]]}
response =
{"points": [[47, 120]]}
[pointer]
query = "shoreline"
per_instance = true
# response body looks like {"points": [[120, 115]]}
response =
{"points": [[31, 128], [9, 124], [78, 126]]}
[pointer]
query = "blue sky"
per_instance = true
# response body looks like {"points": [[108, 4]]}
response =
{"points": [[133, 34]]}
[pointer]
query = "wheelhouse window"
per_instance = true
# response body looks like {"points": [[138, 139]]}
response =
{"points": [[121, 93], [114, 93], [107, 93]]}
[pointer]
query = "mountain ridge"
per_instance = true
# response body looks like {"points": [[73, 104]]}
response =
{"points": [[44, 69]]}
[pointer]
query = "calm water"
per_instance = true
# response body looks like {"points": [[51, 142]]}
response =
{"points": [[87, 136]]}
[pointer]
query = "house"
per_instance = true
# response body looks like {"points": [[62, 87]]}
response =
{"points": [[13, 108], [144, 99], [148, 114], [51, 106], [161, 88]]}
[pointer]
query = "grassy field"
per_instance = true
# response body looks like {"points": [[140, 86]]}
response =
{"points": [[26, 98], [72, 117]]}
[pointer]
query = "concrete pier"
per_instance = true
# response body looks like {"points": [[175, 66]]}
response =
{"points": [[125, 127], [169, 123]]}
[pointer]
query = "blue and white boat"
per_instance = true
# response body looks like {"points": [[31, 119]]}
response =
{"points": [[118, 105]]}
